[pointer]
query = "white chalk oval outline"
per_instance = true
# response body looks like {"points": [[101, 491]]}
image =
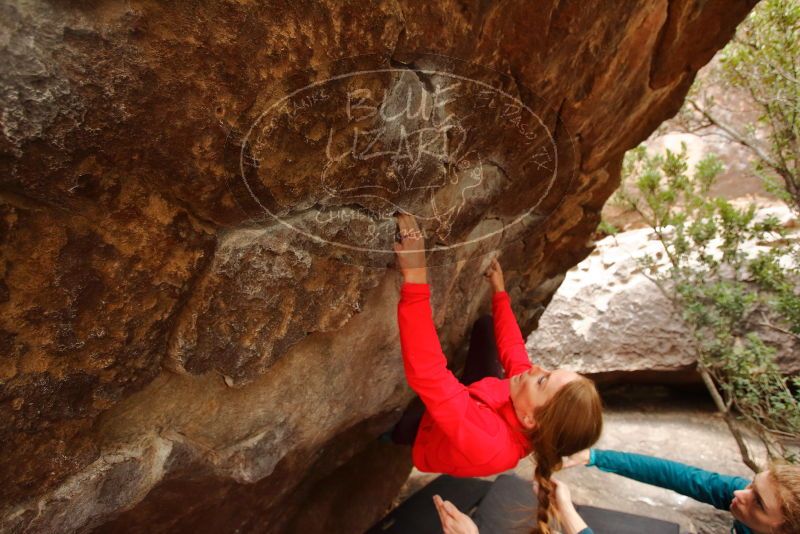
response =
{"points": [[399, 70]]}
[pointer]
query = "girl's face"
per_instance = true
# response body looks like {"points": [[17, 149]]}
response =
{"points": [[758, 505], [533, 388]]}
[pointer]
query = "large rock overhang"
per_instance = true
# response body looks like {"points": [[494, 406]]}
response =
{"points": [[173, 357]]}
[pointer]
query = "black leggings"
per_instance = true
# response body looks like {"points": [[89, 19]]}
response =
{"points": [[482, 361]]}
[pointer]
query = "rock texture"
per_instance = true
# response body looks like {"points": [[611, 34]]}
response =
{"points": [[607, 318], [172, 360], [610, 321]]}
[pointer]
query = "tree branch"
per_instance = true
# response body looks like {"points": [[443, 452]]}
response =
{"points": [[779, 329], [734, 135], [728, 416]]}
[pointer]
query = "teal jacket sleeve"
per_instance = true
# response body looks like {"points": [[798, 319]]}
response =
{"points": [[704, 486]]}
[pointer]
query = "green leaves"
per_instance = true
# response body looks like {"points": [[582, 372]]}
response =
{"points": [[724, 294], [759, 389], [606, 227], [763, 63], [706, 171]]}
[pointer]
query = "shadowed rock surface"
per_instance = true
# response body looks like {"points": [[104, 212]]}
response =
{"points": [[172, 358]]}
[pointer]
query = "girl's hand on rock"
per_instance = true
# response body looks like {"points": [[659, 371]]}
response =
{"points": [[410, 251], [494, 274]]}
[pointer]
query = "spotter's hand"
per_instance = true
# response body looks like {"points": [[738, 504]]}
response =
{"points": [[453, 520]]}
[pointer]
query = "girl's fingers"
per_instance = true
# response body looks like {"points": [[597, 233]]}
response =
{"points": [[406, 218], [407, 222], [402, 224]]}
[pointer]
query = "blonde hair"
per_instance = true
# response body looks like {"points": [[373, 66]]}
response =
{"points": [[571, 421], [787, 477]]}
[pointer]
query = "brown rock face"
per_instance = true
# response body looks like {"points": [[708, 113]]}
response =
{"points": [[197, 320]]}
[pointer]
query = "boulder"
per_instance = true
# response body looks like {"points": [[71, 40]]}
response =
{"points": [[180, 351], [609, 320]]}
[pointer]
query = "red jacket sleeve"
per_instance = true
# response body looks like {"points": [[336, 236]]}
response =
{"points": [[424, 362], [510, 344]]}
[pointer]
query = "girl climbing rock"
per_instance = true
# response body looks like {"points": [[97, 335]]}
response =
{"points": [[504, 408]]}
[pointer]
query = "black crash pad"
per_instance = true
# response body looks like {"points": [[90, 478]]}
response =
{"points": [[509, 507], [417, 514], [605, 521], [505, 506]]}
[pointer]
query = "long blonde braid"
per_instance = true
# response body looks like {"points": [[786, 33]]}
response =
{"points": [[572, 420]]}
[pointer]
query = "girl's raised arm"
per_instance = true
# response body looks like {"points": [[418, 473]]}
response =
{"points": [[510, 344]]}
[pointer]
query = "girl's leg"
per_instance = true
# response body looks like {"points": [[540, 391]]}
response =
{"points": [[405, 431], [482, 358]]}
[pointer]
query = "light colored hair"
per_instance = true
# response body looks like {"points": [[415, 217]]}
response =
{"points": [[787, 477], [571, 421]]}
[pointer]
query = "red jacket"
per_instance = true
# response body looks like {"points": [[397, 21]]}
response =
{"points": [[466, 430]]}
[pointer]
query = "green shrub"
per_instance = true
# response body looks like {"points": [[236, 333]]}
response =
{"points": [[723, 295]]}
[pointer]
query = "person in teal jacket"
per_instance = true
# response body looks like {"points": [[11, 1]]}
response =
{"points": [[769, 504]]}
